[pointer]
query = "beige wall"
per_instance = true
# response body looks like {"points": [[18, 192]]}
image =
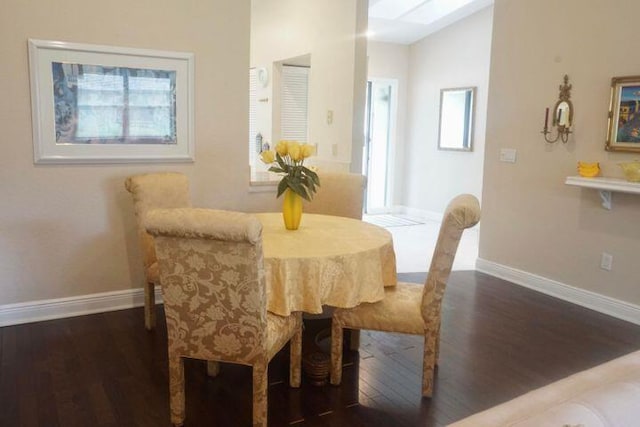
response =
{"points": [[531, 220], [69, 230], [457, 56], [391, 61], [284, 29]]}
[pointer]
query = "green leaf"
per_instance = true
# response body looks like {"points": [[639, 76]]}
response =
{"points": [[299, 189], [282, 185], [281, 162], [275, 169], [313, 175]]}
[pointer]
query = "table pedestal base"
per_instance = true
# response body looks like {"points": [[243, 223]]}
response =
{"points": [[315, 353], [316, 367]]}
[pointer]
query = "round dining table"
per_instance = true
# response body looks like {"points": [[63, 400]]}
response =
{"points": [[329, 260]]}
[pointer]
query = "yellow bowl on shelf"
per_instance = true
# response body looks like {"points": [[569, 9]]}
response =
{"points": [[588, 170], [631, 170]]}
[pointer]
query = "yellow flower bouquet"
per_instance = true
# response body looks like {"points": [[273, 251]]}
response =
{"points": [[289, 159], [298, 181]]}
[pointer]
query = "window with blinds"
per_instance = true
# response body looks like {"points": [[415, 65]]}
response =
{"points": [[114, 105], [294, 103]]}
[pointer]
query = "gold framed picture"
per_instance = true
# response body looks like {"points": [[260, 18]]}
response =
{"points": [[624, 115]]}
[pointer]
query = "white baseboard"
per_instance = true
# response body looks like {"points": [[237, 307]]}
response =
{"points": [[417, 213], [36, 311], [603, 304]]}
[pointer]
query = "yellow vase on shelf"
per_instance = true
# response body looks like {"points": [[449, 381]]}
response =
{"points": [[291, 210], [588, 170], [631, 170]]}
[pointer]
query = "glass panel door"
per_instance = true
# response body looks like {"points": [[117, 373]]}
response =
{"points": [[377, 145]]}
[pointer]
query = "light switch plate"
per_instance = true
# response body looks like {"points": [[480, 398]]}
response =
{"points": [[508, 155]]}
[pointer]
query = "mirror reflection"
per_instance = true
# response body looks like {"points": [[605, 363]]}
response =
{"points": [[456, 119], [563, 114]]}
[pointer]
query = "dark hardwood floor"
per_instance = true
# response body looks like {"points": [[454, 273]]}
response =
{"points": [[498, 341]]}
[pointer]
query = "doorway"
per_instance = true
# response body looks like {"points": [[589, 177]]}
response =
{"points": [[380, 123]]}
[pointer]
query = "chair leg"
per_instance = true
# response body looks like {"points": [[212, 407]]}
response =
{"points": [[437, 352], [428, 362], [355, 340], [176, 390], [213, 368], [149, 306], [295, 358], [260, 392], [336, 352]]}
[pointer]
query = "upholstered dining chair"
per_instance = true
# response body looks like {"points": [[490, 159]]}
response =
{"points": [[339, 194], [152, 191], [410, 308], [213, 285]]}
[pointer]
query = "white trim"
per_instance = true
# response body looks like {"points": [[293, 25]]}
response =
{"points": [[601, 303], [36, 311], [42, 53], [417, 213]]}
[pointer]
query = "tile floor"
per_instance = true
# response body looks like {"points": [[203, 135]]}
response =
{"points": [[414, 244]]}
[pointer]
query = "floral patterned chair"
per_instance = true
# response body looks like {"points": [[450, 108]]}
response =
{"points": [[213, 286], [152, 191], [409, 308], [339, 194]]}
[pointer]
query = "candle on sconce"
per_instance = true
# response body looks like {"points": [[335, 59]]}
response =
{"points": [[546, 118], [559, 116]]}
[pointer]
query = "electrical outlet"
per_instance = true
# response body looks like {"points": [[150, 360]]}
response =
{"points": [[606, 262]]}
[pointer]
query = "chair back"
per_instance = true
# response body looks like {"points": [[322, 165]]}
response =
{"points": [[462, 212], [339, 194], [212, 280], [154, 191]]}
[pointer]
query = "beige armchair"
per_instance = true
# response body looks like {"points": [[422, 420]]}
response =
{"points": [[409, 308], [152, 191], [213, 285], [339, 194]]}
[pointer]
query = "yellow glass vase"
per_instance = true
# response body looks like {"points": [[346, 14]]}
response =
{"points": [[291, 210]]}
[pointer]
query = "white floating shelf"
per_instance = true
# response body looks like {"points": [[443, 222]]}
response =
{"points": [[606, 186]]}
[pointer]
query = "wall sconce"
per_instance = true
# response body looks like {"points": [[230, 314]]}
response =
{"points": [[562, 117]]}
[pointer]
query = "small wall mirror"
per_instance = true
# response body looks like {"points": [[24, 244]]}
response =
{"points": [[564, 114], [561, 116], [456, 119]]}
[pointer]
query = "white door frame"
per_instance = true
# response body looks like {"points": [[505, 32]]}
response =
{"points": [[391, 148]]}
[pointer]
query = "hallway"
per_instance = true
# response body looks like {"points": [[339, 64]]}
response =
{"points": [[414, 241]]}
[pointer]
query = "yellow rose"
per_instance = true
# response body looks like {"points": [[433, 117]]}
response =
{"points": [[267, 156], [295, 151], [308, 150], [281, 148]]}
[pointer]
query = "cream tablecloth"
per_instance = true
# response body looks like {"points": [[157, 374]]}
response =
{"points": [[330, 260]]}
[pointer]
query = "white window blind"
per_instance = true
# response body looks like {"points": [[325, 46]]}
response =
{"points": [[294, 106], [252, 117]]}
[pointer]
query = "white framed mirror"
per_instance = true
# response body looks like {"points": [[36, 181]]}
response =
{"points": [[456, 119]]}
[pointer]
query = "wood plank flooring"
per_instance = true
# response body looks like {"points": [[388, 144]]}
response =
{"points": [[498, 341]]}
